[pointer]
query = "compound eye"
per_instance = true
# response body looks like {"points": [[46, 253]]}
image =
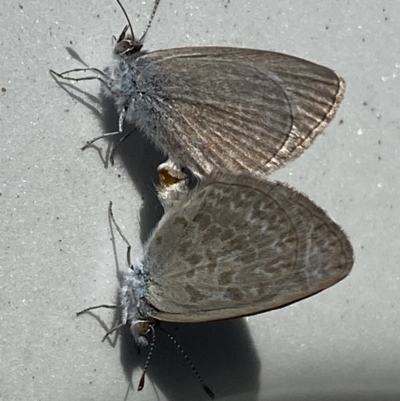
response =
{"points": [[142, 327]]}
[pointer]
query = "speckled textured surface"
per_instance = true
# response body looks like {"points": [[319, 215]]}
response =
{"points": [[56, 252]]}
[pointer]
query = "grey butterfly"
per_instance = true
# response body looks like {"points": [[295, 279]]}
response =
{"points": [[219, 108], [231, 247]]}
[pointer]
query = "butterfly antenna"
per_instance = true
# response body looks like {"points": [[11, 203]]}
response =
{"points": [[153, 13], [149, 355], [190, 363], [127, 18], [129, 247]]}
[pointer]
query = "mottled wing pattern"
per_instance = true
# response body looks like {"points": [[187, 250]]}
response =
{"points": [[242, 110], [240, 246]]}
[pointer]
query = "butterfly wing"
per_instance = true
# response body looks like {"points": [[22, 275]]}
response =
{"points": [[241, 246], [242, 110]]}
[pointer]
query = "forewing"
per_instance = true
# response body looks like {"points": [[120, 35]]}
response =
{"points": [[240, 247], [242, 110]]}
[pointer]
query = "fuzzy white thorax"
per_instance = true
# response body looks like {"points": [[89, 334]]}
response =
{"points": [[131, 298]]}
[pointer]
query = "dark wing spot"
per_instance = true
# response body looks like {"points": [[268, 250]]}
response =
{"points": [[225, 278], [195, 295], [234, 293]]}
